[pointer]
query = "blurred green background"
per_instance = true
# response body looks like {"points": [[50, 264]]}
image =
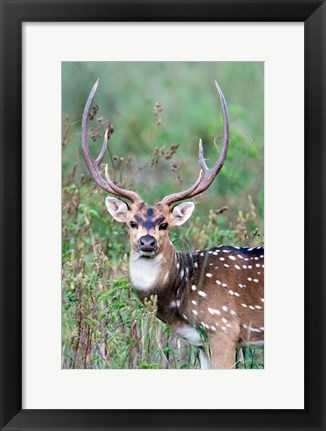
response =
{"points": [[159, 110]]}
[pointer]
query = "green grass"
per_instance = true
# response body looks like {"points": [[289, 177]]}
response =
{"points": [[153, 151]]}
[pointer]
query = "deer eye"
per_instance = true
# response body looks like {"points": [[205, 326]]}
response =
{"points": [[133, 224], [163, 226]]}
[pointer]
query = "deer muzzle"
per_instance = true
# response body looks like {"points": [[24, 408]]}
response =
{"points": [[147, 243]]}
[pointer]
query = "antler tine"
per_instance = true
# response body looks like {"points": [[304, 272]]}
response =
{"points": [[203, 183], [210, 174], [103, 149], [93, 164], [175, 197], [118, 191]]}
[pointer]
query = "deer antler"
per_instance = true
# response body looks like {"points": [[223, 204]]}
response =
{"points": [[93, 164], [204, 181]]}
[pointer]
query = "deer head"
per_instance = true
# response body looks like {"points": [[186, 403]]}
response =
{"points": [[149, 225]]}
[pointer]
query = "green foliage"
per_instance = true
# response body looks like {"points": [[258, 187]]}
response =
{"points": [[157, 122]]}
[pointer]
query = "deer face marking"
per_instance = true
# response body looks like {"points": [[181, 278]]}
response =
{"points": [[149, 226]]}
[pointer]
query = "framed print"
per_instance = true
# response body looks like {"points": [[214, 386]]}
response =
{"points": [[87, 354]]}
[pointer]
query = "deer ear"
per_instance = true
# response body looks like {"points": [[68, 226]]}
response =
{"points": [[182, 212], [118, 209]]}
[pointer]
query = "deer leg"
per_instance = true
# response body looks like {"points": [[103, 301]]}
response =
{"points": [[222, 350], [204, 361]]}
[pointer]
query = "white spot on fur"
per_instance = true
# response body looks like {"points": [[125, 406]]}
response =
{"points": [[208, 275], [226, 265], [237, 266], [224, 285], [214, 311], [193, 287], [218, 282], [201, 293], [225, 308], [195, 312], [222, 258], [232, 257], [194, 302], [244, 305]]}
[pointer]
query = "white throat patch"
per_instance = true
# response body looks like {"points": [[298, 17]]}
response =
{"points": [[144, 271]]}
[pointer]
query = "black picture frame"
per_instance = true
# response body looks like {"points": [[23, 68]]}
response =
{"points": [[13, 14]]}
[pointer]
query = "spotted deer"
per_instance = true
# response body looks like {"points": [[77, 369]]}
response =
{"points": [[213, 298]]}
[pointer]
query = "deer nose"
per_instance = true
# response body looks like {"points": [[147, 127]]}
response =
{"points": [[147, 243]]}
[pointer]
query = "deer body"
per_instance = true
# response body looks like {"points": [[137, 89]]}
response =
{"points": [[213, 298], [225, 308]]}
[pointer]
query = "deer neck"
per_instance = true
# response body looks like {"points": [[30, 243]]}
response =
{"points": [[148, 273], [164, 275]]}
